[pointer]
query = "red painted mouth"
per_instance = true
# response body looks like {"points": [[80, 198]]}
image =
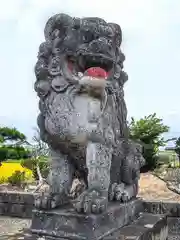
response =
{"points": [[94, 67], [96, 72]]}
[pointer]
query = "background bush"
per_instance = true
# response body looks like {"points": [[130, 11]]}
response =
{"points": [[7, 169], [17, 178], [32, 164], [148, 132], [13, 152]]}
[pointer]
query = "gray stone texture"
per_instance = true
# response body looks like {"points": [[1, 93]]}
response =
{"points": [[16, 229], [171, 209], [146, 227], [174, 228], [83, 117], [16, 204], [67, 223]]}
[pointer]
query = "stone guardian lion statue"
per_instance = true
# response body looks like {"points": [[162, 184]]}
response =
{"points": [[79, 82]]}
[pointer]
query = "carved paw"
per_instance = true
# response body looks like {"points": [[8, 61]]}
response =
{"points": [[116, 192], [78, 186], [121, 192], [126, 196], [49, 201], [91, 201]]}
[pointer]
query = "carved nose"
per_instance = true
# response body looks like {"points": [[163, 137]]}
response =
{"points": [[98, 44], [103, 40], [101, 45]]}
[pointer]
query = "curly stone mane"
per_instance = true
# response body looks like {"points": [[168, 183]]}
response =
{"points": [[66, 36], [79, 81]]}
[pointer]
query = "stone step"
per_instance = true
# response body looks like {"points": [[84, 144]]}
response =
{"points": [[174, 228], [65, 223], [146, 227]]}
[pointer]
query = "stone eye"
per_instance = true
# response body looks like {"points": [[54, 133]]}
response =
{"points": [[88, 37]]}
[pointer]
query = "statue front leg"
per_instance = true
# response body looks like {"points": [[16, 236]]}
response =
{"points": [[130, 191], [98, 161], [59, 180]]}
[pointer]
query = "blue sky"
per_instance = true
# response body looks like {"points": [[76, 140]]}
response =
{"points": [[151, 39]]}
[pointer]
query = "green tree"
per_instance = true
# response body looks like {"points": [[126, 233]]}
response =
{"points": [[10, 144], [38, 162], [148, 131], [177, 148], [11, 134]]}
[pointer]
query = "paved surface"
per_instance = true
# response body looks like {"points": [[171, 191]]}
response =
{"points": [[11, 228], [17, 229]]}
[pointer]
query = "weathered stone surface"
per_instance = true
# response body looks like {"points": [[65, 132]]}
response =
{"points": [[146, 227], [68, 224], [83, 115], [171, 209], [16, 229], [174, 227], [16, 210], [16, 204], [16, 197]]}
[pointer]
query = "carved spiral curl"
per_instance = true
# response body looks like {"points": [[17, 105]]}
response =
{"points": [[57, 29]]}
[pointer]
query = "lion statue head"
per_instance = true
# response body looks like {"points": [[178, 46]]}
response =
{"points": [[74, 49]]}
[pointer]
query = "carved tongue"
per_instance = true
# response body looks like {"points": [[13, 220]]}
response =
{"points": [[96, 72]]}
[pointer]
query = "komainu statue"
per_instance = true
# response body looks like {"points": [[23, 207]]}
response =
{"points": [[79, 81]]}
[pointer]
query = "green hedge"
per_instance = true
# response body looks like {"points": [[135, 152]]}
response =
{"points": [[13, 152]]}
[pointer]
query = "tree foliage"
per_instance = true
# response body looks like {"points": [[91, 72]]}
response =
{"points": [[11, 140], [148, 131], [13, 152], [38, 162], [11, 134], [177, 147]]}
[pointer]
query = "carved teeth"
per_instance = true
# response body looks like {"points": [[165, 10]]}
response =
{"points": [[81, 62], [80, 74], [92, 81]]}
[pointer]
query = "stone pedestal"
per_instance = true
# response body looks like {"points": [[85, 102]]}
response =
{"points": [[65, 223], [147, 227]]}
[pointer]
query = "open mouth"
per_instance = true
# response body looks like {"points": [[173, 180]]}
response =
{"points": [[82, 63]]}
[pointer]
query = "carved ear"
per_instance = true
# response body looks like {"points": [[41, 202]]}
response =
{"points": [[57, 25], [117, 32]]}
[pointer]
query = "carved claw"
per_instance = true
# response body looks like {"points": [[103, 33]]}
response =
{"points": [[128, 193], [126, 196], [116, 191], [49, 201], [78, 186], [91, 201], [121, 192]]}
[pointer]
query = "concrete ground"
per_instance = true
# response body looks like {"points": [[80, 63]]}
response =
{"points": [[11, 228]]}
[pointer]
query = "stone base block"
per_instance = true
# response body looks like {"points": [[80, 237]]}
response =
{"points": [[146, 227], [65, 223], [16, 210], [174, 228]]}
